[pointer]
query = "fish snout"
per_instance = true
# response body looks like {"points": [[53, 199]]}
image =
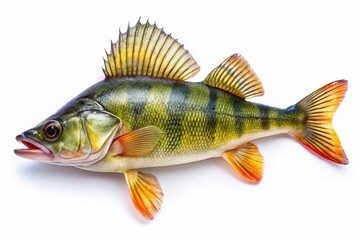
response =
{"points": [[34, 150]]}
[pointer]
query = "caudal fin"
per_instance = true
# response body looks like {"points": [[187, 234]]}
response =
{"points": [[317, 133]]}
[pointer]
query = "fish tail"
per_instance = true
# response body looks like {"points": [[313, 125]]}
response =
{"points": [[316, 131]]}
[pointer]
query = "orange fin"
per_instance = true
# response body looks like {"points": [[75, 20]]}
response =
{"points": [[318, 109], [235, 75], [247, 161], [145, 191], [136, 143]]}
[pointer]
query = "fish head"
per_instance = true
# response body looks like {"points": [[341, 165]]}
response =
{"points": [[70, 138]]}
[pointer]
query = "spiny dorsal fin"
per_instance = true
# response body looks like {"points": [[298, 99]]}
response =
{"points": [[146, 50], [235, 75]]}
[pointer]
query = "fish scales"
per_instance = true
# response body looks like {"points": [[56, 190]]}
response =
{"points": [[195, 118], [144, 114]]}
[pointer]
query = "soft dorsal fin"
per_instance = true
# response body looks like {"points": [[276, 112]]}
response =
{"points": [[235, 75], [146, 50]]}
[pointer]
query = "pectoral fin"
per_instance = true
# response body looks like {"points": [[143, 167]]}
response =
{"points": [[145, 192], [136, 143], [247, 161]]}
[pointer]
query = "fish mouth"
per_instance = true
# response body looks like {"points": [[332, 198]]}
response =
{"points": [[34, 150]]}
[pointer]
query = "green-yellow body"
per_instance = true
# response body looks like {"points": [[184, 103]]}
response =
{"points": [[144, 114], [198, 121]]}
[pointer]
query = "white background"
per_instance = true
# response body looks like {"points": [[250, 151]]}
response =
{"points": [[51, 51]]}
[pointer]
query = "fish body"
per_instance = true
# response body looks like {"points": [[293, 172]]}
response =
{"points": [[144, 114], [197, 121]]}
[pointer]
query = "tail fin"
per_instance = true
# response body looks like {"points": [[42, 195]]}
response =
{"points": [[317, 133]]}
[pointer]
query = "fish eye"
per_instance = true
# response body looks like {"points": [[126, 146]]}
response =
{"points": [[52, 130]]}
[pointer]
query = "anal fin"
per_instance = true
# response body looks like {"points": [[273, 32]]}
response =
{"points": [[145, 192], [247, 161]]}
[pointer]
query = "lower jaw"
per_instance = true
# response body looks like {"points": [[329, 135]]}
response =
{"points": [[34, 154]]}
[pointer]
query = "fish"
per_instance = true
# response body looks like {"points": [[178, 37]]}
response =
{"points": [[145, 114]]}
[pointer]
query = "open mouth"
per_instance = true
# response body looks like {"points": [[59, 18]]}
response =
{"points": [[34, 150]]}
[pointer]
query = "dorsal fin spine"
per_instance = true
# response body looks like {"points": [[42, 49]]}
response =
{"points": [[146, 46], [148, 53], [112, 62], [163, 69], [155, 71], [130, 50], [113, 65], [143, 45], [122, 52], [134, 51], [127, 44], [185, 62], [141, 32], [170, 65], [151, 53], [136, 48], [177, 62], [160, 57], [172, 51], [117, 58], [108, 63], [173, 65], [118, 55], [105, 67], [188, 75]]}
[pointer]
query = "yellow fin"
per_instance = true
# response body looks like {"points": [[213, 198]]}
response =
{"points": [[247, 161], [136, 143], [145, 191], [146, 50], [235, 75]]}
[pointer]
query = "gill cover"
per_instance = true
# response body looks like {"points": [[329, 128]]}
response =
{"points": [[101, 127], [86, 137], [87, 133]]}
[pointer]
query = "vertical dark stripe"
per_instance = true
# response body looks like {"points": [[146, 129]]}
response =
{"points": [[137, 97], [210, 112], [264, 116], [239, 118], [176, 111]]}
